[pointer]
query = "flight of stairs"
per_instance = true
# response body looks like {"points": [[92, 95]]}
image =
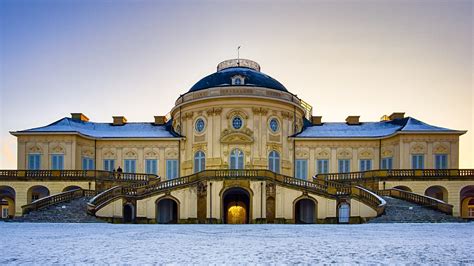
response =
{"points": [[66, 212], [400, 211]]}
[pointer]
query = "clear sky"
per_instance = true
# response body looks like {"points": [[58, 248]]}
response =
{"points": [[134, 58]]}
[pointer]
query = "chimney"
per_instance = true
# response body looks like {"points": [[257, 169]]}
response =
{"points": [[119, 120], [79, 117], [384, 118], [353, 120], [160, 119], [316, 120], [397, 116]]}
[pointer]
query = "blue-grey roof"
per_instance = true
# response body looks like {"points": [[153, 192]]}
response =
{"points": [[253, 78], [370, 129], [105, 130]]}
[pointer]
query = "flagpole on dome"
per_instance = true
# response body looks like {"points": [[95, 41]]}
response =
{"points": [[238, 55]]}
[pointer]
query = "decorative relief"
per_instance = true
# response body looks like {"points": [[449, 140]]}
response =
{"points": [[273, 147], [387, 152], [237, 137], [344, 154], [35, 148], [287, 115], [188, 115], [57, 148], [366, 154], [441, 148], [302, 153], [130, 154], [200, 147], [418, 148], [324, 153], [233, 113], [171, 153], [87, 152], [214, 111], [286, 164], [260, 110], [151, 153], [108, 154]]}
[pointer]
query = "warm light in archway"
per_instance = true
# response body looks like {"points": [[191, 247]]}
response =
{"points": [[236, 215]]}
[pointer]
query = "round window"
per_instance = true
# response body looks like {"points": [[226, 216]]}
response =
{"points": [[274, 126], [199, 125], [237, 122]]}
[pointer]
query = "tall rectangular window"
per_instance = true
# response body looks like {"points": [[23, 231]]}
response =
{"points": [[109, 165], [344, 166], [171, 169], [301, 169], [34, 161], [57, 162], [441, 161], [365, 165], [130, 165], [151, 166], [417, 161], [387, 163], [322, 166], [87, 163]]}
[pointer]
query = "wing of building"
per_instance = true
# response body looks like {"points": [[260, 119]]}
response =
{"points": [[239, 118]]}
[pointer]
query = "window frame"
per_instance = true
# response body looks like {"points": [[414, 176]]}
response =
{"points": [[274, 161], [130, 166], [416, 160], [199, 161], [57, 161], [238, 159], [172, 169], [387, 163], [322, 164], [87, 163], [34, 164], [345, 164], [443, 163], [151, 166], [365, 165], [301, 169], [109, 165]]}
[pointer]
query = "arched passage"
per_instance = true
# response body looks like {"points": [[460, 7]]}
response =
{"points": [[404, 188], [236, 206], [166, 211], [437, 192], [37, 192], [69, 188], [7, 202], [305, 211], [467, 202], [128, 213]]}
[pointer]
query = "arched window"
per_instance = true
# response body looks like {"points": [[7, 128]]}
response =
{"points": [[199, 161], [344, 213], [274, 161], [236, 159]]}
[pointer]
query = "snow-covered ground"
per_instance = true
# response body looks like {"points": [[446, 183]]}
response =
{"points": [[136, 244]]}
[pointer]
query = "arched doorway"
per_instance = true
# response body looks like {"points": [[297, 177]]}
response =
{"points": [[37, 192], [437, 192], [69, 188], [128, 213], [404, 188], [166, 211], [7, 202], [467, 202], [343, 213], [305, 211], [236, 206]]}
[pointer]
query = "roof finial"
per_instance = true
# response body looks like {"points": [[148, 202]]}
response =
{"points": [[238, 55]]}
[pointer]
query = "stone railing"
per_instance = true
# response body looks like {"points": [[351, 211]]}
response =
{"points": [[418, 199], [397, 174], [55, 199], [74, 175]]}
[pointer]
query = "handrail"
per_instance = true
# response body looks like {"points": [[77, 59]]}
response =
{"points": [[397, 173], [370, 198], [86, 175], [55, 199], [423, 200]]}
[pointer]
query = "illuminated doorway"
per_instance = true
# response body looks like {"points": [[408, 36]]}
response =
{"points": [[236, 206]]}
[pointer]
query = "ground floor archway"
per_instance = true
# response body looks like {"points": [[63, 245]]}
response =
{"points": [[343, 213], [467, 202], [7, 202], [236, 206], [128, 213], [437, 192], [305, 211], [37, 192], [166, 211]]}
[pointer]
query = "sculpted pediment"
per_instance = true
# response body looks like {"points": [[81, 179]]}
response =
{"points": [[237, 137]]}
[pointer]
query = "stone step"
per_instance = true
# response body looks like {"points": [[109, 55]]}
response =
{"points": [[74, 211], [400, 211]]}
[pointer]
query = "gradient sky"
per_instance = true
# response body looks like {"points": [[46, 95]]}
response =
{"points": [[134, 58]]}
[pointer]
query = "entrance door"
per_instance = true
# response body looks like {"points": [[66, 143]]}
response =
{"points": [[236, 206]]}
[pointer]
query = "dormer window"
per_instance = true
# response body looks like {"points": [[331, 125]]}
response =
{"points": [[238, 80]]}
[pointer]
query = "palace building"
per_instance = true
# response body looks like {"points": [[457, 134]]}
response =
{"points": [[238, 147]]}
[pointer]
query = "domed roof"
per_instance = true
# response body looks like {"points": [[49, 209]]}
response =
{"points": [[243, 68]]}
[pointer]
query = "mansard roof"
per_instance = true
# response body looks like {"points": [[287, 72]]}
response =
{"points": [[371, 129], [105, 130]]}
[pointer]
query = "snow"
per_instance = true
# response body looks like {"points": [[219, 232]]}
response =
{"points": [[382, 201], [106, 130], [186, 244]]}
